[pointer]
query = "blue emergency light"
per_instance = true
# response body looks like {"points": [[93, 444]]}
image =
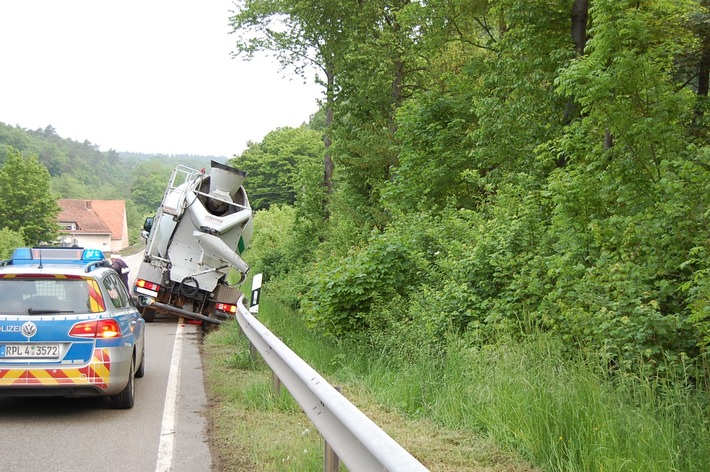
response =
{"points": [[56, 255]]}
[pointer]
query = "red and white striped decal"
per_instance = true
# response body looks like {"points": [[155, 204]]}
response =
{"points": [[96, 373]]}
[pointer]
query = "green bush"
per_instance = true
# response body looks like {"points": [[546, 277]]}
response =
{"points": [[9, 240]]}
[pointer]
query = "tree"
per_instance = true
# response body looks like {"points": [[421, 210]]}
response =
{"points": [[9, 240], [27, 204], [273, 165], [68, 186], [302, 34], [148, 185]]}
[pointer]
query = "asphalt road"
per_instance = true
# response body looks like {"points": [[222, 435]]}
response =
{"points": [[164, 431]]}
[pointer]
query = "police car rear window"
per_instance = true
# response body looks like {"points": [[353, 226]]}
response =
{"points": [[46, 295]]}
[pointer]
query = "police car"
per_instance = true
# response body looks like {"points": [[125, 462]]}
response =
{"points": [[68, 327]]}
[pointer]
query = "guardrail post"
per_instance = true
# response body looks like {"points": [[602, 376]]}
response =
{"points": [[276, 383], [253, 352], [331, 461]]}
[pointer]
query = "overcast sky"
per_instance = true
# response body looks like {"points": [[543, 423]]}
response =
{"points": [[152, 76]]}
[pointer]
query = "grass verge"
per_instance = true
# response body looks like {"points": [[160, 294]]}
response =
{"points": [[461, 408]]}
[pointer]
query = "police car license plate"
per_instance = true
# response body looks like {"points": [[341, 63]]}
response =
{"points": [[29, 351]]}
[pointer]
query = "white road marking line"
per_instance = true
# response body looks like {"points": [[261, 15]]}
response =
{"points": [[167, 432]]}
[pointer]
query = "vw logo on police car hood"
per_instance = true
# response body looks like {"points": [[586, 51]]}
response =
{"points": [[29, 329]]}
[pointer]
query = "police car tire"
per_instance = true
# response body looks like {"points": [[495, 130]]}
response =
{"points": [[126, 397], [141, 369]]}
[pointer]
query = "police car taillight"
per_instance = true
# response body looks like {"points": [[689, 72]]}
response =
{"points": [[96, 329], [226, 307]]}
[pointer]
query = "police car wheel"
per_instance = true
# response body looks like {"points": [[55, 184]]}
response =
{"points": [[126, 397], [141, 368]]}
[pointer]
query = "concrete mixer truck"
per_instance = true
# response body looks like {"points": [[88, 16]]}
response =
{"points": [[193, 242]]}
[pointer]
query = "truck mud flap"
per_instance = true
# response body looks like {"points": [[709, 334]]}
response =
{"points": [[226, 294], [151, 273]]}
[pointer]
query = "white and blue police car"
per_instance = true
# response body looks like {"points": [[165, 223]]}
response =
{"points": [[68, 327]]}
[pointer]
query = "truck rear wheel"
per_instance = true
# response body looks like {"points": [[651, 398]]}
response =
{"points": [[148, 314]]}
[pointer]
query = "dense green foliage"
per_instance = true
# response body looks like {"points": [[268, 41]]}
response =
{"points": [[505, 168]]}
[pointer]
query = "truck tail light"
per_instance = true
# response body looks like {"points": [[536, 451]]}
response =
{"points": [[147, 285], [226, 307], [96, 329]]}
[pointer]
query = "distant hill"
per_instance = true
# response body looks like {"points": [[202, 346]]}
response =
{"points": [[189, 160], [81, 170]]}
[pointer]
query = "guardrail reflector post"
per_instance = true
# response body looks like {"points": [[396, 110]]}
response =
{"points": [[255, 294]]}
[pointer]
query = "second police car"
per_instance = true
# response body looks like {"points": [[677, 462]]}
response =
{"points": [[68, 327]]}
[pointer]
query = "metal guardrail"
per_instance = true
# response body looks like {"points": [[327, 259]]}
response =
{"points": [[355, 438]]}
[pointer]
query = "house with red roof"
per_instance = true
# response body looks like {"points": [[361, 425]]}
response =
{"points": [[93, 224]]}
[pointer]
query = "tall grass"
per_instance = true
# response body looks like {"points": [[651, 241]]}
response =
{"points": [[561, 415]]}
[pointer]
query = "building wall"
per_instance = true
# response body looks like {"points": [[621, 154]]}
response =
{"points": [[101, 242], [118, 244]]}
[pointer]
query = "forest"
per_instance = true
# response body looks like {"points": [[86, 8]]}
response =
{"points": [[509, 215], [496, 169], [480, 173], [507, 227]]}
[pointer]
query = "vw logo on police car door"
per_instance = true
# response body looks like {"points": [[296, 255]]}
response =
{"points": [[29, 329]]}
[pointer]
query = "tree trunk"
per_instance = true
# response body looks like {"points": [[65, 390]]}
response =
{"points": [[579, 19], [704, 69], [703, 85], [328, 166], [580, 15]]}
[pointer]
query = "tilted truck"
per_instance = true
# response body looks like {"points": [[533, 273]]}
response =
{"points": [[195, 240]]}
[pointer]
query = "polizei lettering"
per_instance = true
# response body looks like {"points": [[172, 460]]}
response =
{"points": [[9, 329]]}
